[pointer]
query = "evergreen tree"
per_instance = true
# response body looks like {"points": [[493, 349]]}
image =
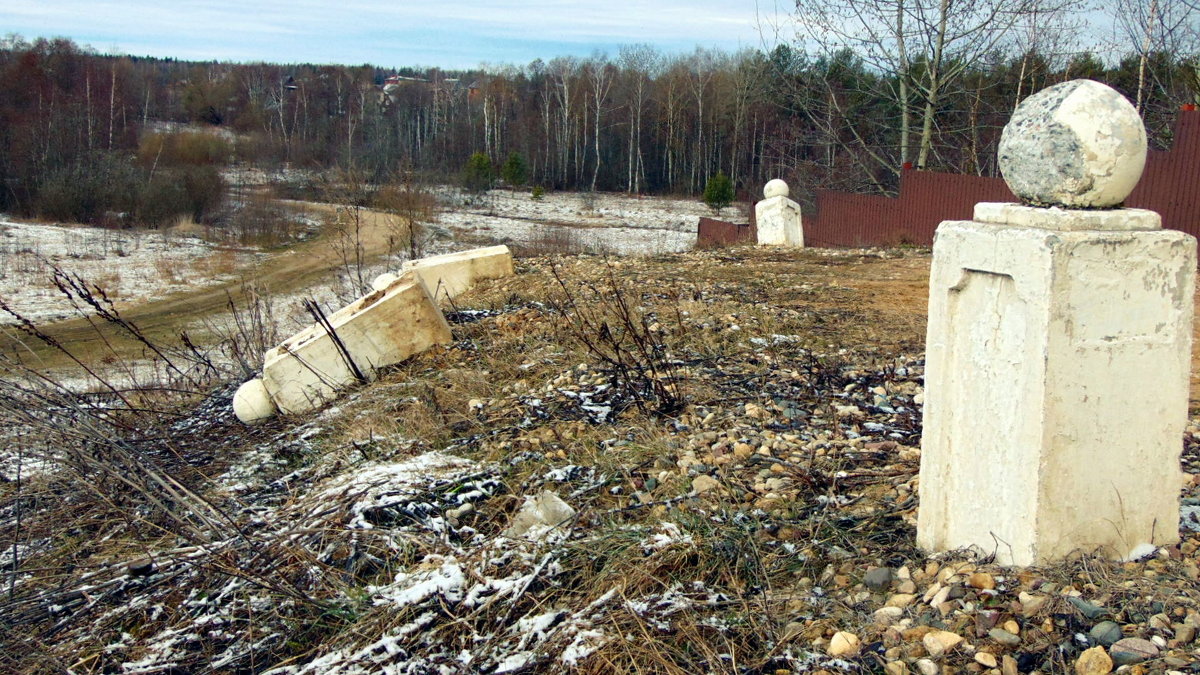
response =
{"points": [[514, 172], [718, 192], [478, 174]]}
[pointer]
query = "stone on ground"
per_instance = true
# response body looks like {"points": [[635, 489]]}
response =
{"points": [[1094, 661], [1128, 651], [843, 644]]}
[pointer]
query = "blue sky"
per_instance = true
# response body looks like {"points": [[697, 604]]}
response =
{"points": [[398, 33]]}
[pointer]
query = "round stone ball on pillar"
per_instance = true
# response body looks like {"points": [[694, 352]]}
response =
{"points": [[1078, 145], [776, 188], [253, 404]]}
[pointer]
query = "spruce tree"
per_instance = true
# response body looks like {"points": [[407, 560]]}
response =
{"points": [[718, 192]]}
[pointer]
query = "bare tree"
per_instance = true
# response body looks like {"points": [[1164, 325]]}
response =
{"points": [[639, 63], [600, 75], [1156, 26], [921, 47]]}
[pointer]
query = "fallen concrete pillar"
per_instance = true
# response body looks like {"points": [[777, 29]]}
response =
{"points": [[377, 330], [450, 275]]}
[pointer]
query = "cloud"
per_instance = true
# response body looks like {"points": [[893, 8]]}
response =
{"points": [[386, 33]]}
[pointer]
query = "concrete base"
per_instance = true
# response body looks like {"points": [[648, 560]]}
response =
{"points": [[448, 276], [779, 223], [1056, 385], [379, 329]]}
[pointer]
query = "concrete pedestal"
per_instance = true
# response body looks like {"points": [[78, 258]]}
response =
{"points": [[778, 222], [1058, 353]]}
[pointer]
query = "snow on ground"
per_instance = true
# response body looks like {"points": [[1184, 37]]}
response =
{"points": [[598, 223], [130, 265]]}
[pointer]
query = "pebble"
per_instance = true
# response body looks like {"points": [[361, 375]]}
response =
{"points": [[894, 668], [886, 616], [843, 644], [704, 483], [927, 667], [1128, 651], [1088, 609], [1030, 604], [901, 600], [939, 642], [985, 659], [1105, 633], [1004, 637], [878, 579], [1093, 661], [981, 580]]}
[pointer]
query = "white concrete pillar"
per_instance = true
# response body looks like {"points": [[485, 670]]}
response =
{"points": [[1058, 349], [777, 218]]}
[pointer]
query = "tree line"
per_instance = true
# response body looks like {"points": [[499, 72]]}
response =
{"points": [[102, 138]]}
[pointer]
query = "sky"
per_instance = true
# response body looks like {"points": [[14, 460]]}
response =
{"points": [[398, 33]]}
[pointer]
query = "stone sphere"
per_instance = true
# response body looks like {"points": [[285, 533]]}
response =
{"points": [[252, 404], [1079, 144], [776, 188], [384, 280]]}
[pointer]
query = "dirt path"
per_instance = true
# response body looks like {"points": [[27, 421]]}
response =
{"points": [[287, 271]]}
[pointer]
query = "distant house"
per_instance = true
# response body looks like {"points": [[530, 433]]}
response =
{"points": [[394, 84]]}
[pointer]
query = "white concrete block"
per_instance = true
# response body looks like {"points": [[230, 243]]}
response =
{"points": [[450, 275], [779, 222], [1056, 386], [380, 329]]}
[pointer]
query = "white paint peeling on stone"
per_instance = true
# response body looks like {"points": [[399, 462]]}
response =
{"points": [[1078, 144]]}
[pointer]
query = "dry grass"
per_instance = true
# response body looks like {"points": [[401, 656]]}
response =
{"points": [[752, 575]]}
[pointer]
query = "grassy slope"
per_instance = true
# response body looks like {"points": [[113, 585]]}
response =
{"points": [[730, 535]]}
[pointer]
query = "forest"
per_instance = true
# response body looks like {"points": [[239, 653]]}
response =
{"points": [[123, 140]]}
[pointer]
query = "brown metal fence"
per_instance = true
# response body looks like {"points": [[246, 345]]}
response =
{"points": [[1170, 185], [713, 232]]}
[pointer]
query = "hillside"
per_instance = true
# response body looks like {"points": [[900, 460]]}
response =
{"points": [[736, 433]]}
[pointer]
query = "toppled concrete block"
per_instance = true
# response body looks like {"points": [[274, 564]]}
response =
{"points": [[450, 275], [377, 330], [539, 516], [252, 403]]}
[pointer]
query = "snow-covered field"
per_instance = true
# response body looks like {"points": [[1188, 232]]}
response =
{"points": [[600, 223], [138, 266], [131, 266]]}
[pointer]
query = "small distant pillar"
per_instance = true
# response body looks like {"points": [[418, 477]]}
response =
{"points": [[1058, 348], [778, 218]]}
